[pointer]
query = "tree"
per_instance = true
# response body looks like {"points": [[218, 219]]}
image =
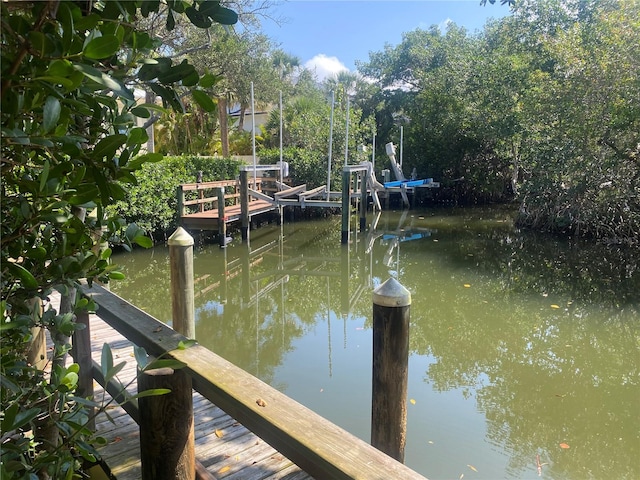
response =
{"points": [[70, 146], [581, 150]]}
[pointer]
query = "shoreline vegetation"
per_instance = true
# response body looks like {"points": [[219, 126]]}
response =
{"points": [[151, 203]]}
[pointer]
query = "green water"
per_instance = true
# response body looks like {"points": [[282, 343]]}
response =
{"points": [[521, 345]]}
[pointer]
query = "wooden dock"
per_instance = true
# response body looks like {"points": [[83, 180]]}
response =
{"points": [[289, 441], [224, 447]]}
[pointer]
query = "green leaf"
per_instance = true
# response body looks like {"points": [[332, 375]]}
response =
{"points": [[140, 354], [44, 175], [177, 73], [40, 42], [50, 114], [107, 146], [102, 47], [165, 363], [183, 345], [26, 278], [225, 16], [143, 241], [137, 136], [169, 97], [60, 68], [204, 100], [208, 80], [70, 380], [106, 361], [198, 19], [112, 372], [191, 79], [141, 112], [117, 276], [15, 419], [151, 393], [105, 80], [138, 161]]}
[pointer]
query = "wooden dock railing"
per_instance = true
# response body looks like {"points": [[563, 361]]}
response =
{"points": [[316, 445]]}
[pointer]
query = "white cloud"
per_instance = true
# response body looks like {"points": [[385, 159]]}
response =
{"points": [[444, 25], [325, 67]]}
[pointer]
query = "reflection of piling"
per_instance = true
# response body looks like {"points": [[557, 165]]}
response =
{"points": [[182, 290], [345, 269], [346, 206], [391, 306], [246, 267], [244, 204]]}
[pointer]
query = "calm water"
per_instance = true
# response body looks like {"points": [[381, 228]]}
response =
{"points": [[522, 347]]}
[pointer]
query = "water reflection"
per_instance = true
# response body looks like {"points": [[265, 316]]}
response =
{"points": [[519, 343]]}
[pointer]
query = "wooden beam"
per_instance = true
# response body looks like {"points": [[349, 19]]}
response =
{"points": [[291, 191]]}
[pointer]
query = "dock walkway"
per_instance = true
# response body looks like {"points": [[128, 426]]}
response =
{"points": [[284, 431], [223, 446]]}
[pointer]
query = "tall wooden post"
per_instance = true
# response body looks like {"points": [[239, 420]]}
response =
{"points": [[182, 289], [222, 222], [346, 206], [167, 448], [166, 426], [244, 204], [180, 202], [391, 307], [363, 201]]}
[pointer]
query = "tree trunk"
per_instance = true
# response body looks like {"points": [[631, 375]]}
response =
{"points": [[224, 128]]}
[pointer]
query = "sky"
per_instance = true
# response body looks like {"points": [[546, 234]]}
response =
{"points": [[330, 35]]}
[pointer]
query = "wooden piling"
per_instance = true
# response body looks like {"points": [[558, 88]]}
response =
{"points": [[166, 426], [182, 289], [244, 205], [363, 201], [346, 206], [391, 307], [222, 223], [180, 203]]}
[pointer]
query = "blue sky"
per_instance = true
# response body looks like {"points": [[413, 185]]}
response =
{"points": [[330, 35]]}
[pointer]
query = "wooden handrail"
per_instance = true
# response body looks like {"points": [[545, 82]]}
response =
{"points": [[204, 203], [316, 445]]}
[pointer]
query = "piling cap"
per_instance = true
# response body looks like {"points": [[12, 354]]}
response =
{"points": [[180, 238], [391, 294]]}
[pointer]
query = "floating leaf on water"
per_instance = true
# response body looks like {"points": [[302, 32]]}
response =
{"points": [[564, 445], [219, 433], [461, 476], [413, 401], [430, 442], [466, 285], [555, 306], [472, 467]]}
